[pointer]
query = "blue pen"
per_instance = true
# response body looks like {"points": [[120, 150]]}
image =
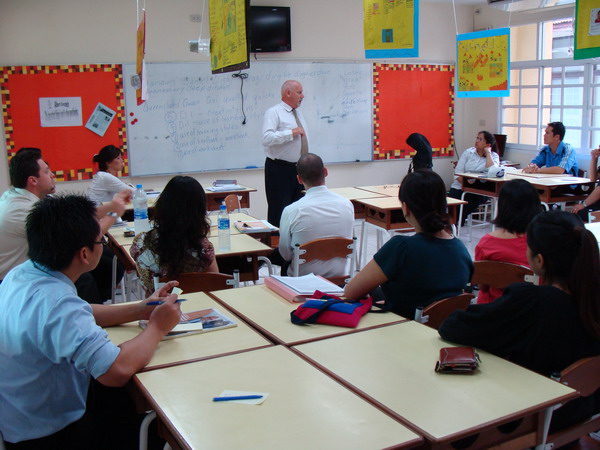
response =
{"points": [[237, 397], [160, 302]]}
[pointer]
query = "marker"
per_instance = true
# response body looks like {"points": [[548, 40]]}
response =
{"points": [[160, 302], [237, 397], [251, 167]]}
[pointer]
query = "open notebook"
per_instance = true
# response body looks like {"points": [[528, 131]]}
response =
{"points": [[194, 322]]}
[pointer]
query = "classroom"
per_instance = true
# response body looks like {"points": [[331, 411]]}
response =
{"points": [[330, 32]]}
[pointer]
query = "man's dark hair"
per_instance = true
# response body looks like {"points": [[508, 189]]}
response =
{"points": [[58, 227], [24, 164], [558, 128], [311, 169]]}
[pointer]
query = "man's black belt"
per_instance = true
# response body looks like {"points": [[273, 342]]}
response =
{"points": [[282, 161]]}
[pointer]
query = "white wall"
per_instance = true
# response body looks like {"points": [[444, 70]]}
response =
{"points": [[86, 31]]}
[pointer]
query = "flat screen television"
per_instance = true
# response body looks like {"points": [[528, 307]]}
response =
{"points": [[269, 29]]}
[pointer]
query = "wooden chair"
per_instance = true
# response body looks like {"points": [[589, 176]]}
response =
{"points": [[434, 314], [500, 275], [325, 249], [583, 376], [203, 281]]}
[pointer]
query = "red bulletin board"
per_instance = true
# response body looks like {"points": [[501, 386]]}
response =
{"points": [[412, 98], [68, 150]]}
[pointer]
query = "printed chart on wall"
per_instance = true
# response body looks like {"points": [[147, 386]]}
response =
{"points": [[391, 28], [70, 112], [587, 29], [412, 98], [193, 120], [483, 64]]}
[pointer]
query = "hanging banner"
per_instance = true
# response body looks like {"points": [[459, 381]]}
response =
{"points": [[140, 92], [483, 63], [587, 29], [228, 43], [391, 28]]}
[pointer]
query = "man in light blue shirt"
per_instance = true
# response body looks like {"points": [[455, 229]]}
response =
{"points": [[51, 341], [556, 156]]}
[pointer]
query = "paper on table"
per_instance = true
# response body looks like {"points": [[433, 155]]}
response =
{"points": [[254, 401], [310, 283]]}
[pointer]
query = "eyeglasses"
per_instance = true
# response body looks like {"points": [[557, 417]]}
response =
{"points": [[103, 241]]}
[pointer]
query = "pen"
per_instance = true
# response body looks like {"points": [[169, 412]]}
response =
{"points": [[237, 397], [160, 302]]}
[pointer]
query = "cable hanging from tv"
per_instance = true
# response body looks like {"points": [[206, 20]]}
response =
{"points": [[242, 77]]}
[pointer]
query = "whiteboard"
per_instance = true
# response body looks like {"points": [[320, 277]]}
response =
{"points": [[192, 121]]}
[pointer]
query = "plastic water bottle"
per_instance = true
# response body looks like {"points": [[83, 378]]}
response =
{"points": [[140, 210], [224, 231]]}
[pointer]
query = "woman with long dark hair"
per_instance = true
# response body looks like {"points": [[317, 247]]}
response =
{"points": [[106, 182], [177, 242], [417, 270], [543, 328], [518, 204]]}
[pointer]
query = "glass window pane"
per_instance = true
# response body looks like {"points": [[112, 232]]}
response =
{"points": [[522, 42], [596, 74], [513, 99], [572, 117], [595, 100], [546, 115], [555, 115], [556, 75], [512, 134], [557, 39], [547, 76], [573, 96], [528, 116], [595, 138], [574, 75], [528, 136], [510, 115], [573, 137], [529, 76], [596, 117], [514, 77], [529, 96]]}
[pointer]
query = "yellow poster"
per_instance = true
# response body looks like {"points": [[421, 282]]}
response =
{"points": [[587, 29], [482, 63], [228, 44], [391, 28]]}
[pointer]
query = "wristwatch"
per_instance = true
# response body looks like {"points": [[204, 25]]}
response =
{"points": [[584, 204], [112, 214]]}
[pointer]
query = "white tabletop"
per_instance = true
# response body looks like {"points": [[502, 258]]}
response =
{"points": [[195, 346], [305, 409], [403, 356], [270, 313], [594, 228]]}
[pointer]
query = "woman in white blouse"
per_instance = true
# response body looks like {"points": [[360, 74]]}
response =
{"points": [[106, 183], [475, 159]]}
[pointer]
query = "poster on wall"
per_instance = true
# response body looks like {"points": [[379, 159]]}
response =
{"points": [[391, 29], [228, 37], [587, 29], [483, 63]]}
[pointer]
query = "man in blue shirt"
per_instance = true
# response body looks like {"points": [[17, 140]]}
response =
{"points": [[556, 156], [51, 341]]}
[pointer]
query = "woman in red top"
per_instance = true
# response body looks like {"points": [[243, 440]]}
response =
{"points": [[518, 204]]}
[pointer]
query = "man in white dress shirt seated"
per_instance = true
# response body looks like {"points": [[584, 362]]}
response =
{"points": [[319, 214]]}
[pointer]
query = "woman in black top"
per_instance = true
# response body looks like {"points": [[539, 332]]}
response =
{"points": [[544, 328]]}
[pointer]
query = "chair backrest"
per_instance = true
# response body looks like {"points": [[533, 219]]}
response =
{"points": [[434, 314], [594, 216], [582, 376], [203, 281], [232, 202], [500, 275], [325, 249]]}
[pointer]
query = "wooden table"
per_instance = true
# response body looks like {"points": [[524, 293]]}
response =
{"points": [[195, 347], [353, 194], [270, 314], [305, 409], [215, 199], [390, 190], [394, 368]]}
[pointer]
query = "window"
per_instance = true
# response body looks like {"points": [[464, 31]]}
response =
{"points": [[547, 85]]}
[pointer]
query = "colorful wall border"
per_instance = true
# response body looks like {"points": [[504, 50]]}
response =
{"points": [[68, 150], [412, 98]]}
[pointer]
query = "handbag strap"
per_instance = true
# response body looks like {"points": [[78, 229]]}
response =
{"points": [[314, 316]]}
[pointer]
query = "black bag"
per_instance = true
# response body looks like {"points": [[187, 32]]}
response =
{"points": [[423, 158]]}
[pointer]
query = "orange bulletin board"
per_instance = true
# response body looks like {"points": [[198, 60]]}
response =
{"points": [[412, 98], [67, 149]]}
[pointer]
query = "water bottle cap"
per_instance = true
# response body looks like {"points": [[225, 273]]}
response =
{"points": [[139, 186], [223, 207]]}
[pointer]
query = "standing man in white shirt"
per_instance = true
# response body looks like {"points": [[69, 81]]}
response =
{"points": [[285, 140], [319, 214]]}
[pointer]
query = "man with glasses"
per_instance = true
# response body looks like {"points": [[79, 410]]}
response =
{"points": [[52, 343]]}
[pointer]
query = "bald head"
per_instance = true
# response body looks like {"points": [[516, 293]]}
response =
{"points": [[291, 93], [311, 170]]}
